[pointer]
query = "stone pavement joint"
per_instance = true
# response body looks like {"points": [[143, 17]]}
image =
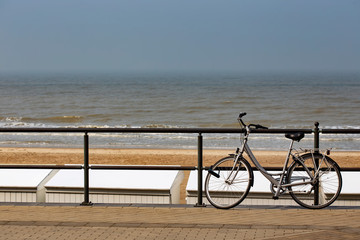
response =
{"points": [[161, 225]]}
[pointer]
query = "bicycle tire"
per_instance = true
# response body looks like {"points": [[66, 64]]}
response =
{"points": [[222, 194], [329, 179]]}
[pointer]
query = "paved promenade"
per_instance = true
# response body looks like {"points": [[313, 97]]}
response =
{"points": [[175, 222]]}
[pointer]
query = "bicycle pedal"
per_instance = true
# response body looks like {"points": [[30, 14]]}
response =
{"points": [[275, 198]]}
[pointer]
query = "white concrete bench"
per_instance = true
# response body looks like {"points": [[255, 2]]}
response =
{"points": [[116, 186], [23, 185]]}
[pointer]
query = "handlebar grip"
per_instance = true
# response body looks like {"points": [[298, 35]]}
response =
{"points": [[258, 126], [242, 114]]}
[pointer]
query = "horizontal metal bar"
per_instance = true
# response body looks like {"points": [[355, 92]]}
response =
{"points": [[152, 130], [141, 167], [281, 131], [119, 130], [177, 130], [349, 169], [46, 166], [340, 131], [133, 167], [344, 169]]}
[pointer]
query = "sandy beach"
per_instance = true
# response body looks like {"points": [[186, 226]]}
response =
{"points": [[183, 157]]}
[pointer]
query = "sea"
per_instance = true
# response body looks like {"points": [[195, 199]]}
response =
{"points": [[178, 100]]}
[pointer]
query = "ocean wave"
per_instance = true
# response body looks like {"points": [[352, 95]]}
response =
{"points": [[57, 119], [18, 122], [75, 122], [168, 140], [158, 126], [39, 122], [10, 119], [342, 127], [29, 143]]}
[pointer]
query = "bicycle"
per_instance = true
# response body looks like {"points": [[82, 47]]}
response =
{"points": [[313, 179]]}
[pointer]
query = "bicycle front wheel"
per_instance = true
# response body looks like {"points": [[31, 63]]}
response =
{"points": [[326, 186], [228, 182]]}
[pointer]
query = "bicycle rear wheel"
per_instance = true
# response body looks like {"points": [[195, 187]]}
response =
{"points": [[326, 188], [228, 183]]}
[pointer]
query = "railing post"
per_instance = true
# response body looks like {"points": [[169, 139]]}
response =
{"points": [[316, 151], [316, 137], [200, 172], [86, 201]]}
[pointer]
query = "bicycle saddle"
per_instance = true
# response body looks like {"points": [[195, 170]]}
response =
{"points": [[295, 136]]}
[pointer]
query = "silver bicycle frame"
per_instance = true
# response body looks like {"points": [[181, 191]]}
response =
{"points": [[258, 165], [269, 176]]}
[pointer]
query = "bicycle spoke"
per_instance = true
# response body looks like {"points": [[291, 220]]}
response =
{"points": [[232, 185], [329, 183]]}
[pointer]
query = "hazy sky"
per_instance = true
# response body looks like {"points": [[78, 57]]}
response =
{"points": [[181, 35]]}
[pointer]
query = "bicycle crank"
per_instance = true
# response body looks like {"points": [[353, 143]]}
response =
{"points": [[274, 189]]}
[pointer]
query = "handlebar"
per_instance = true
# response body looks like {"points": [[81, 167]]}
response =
{"points": [[240, 118], [256, 126]]}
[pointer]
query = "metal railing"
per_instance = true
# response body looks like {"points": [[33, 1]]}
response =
{"points": [[200, 131]]}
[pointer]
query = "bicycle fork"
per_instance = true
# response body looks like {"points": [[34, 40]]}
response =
{"points": [[230, 179], [233, 171]]}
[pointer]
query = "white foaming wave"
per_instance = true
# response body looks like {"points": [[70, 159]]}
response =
{"points": [[342, 127], [292, 126], [157, 140], [29, 143], [158, 126], [16, 122]]}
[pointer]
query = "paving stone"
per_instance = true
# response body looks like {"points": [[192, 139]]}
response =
{"points": [[126, 222]]}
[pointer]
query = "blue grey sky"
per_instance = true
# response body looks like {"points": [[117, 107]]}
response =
{"points": [[186, 35]]}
